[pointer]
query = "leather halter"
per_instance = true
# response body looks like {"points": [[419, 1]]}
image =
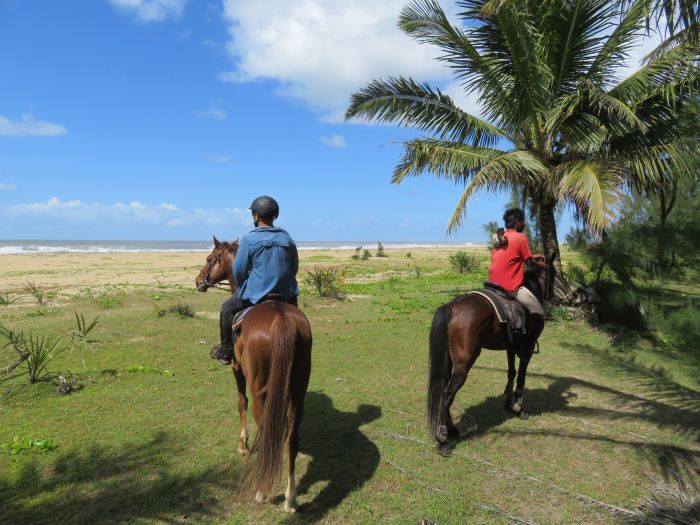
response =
{"points": [[206, 283]]}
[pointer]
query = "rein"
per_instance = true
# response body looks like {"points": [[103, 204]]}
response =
{"points": [[206, 283]]}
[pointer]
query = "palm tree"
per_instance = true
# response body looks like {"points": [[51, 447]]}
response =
{"points": [[557, 127]]}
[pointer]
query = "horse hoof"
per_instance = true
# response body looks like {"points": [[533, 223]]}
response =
{"points": [[445, 450], [290, 508], [260, 497], [523, 415], [243, 451], [441, 434], [516, 407]]}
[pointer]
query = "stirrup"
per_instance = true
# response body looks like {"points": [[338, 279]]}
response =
{"points": [[219, 355]]}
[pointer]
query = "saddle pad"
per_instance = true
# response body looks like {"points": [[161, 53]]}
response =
{"points": [[499, 313], [238, 318], [508, 311]]}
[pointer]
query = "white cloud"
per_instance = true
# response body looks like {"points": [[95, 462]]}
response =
{"points": [[321, 51], [220, 159], [28, 127], [7, 186], [335, 141], [76, 212], [151, 10], [364, 220], [213, 112]]}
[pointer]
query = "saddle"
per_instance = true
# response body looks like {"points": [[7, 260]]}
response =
{"points": [[238, 318], [508, 311]]}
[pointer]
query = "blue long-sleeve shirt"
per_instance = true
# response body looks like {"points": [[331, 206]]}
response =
{"points": [[267, 262]]}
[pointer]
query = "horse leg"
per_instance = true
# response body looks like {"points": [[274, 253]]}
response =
{"points": [[293, 422], [460, 368], [242, 408], [517, 406], [508, 392]]}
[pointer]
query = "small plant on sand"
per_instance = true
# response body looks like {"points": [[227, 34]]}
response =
{"points": [[106, 300], [365, 255], [417, 271], [5, 299], [408, 255], [356, 255], [324, 279], [463, 262], [380, 250], [35, 292], [33, 351]]}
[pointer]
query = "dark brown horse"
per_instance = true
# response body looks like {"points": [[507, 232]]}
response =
{"points": [[460, 329], [273, 355]]}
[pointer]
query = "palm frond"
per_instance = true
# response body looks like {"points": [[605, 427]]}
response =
{"points": [[407, 103], [615, 50], [451, 160], [595, 187], [514, 168]]}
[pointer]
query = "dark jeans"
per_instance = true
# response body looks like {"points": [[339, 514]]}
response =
{"points": [[229, 308]]}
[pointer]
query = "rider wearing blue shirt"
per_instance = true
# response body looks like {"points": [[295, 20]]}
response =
{"points": [[266, 263]]}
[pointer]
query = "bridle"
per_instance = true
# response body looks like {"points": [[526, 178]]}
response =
{"points": [[206, 283]]}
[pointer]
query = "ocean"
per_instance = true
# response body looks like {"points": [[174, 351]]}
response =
{"points": [[39, 246]]}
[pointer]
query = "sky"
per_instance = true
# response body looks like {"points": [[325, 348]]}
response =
{"points": [[164, 119]]}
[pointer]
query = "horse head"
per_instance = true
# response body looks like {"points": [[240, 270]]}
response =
{"points": [[539, 280], [218, 267]]}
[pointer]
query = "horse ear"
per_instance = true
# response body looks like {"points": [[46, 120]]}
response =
{"points": [[217, 244]]}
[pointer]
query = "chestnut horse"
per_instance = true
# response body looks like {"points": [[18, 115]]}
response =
{"points": [[273, 355], [460, 329]]}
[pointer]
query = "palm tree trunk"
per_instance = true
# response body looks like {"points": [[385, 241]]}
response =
{"points": [[550, 244]]}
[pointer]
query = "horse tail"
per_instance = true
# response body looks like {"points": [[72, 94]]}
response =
{"points": [[440, 366], [272, 428]]}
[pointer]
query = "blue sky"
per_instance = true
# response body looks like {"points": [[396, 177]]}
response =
{"points": [[163, 119]]}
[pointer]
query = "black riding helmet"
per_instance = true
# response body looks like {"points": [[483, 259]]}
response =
{"points": [[266, 207]]}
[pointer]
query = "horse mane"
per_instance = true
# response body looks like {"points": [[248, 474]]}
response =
{"points": [[532, 282], [230, 246]]}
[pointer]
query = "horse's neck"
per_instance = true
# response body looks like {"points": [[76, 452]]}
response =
{"points": [[229, 273]]}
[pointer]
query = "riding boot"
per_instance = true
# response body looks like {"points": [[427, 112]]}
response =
{"points": [[223, 352], [535, 324]]}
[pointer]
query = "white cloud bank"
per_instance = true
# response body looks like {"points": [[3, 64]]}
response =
{"points": [[96, 214], [151, 10], [7, 186], [27, 126], [321, 51]]}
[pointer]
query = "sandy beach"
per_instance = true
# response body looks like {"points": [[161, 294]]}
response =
{"points": [[70, 272]]}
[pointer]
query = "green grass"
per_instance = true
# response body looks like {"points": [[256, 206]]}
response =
{"points": [[152, 435]]}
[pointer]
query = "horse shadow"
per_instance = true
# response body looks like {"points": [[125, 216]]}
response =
{"points": [[341, 454]]}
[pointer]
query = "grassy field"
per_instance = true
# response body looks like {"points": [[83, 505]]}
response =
{"points": [[152, 434]]}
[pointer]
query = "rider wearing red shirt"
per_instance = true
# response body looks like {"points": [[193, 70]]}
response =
{"points": [[508, 268]]}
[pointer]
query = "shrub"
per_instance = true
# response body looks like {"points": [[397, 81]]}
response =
{"points": [[365, 255], [356, 255], [81, 335], [418, 272], [380, 250], [35, 352], [38, 294], [408, 255], [179, 309], [463, 262], [6, 301], [325, 280]]}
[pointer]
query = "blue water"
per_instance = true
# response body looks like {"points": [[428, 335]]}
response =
{"points": [[39, 246]]}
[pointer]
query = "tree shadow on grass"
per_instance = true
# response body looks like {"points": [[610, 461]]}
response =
{"points": [[670, 460], [111, 485], [341, 454]]}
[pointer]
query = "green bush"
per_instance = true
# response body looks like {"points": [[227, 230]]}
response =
{"points": [[365, 255], [33, 351], [27, 446], [464, 262], [179, 309], [380, 250], [324, 280]]}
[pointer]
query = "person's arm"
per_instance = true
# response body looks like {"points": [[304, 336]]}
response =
{"points": [[241, 263], [529, 258], [295, 259]]}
